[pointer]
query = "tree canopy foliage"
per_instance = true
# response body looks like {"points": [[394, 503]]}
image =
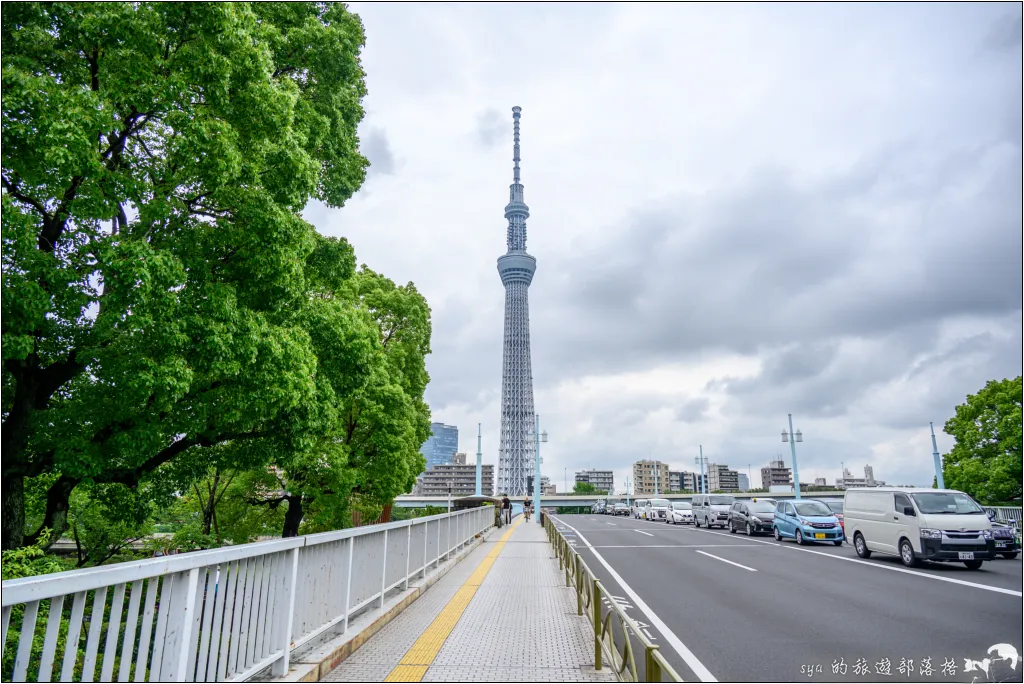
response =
{"points": [[985, 462], [167, 313]]}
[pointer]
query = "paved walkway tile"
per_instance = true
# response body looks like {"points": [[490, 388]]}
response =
{"points": [[503, 614]]}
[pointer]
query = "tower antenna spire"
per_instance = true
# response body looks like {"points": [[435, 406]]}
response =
{"points": [[515, 144]]}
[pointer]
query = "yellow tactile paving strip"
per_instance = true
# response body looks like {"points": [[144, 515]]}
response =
{"points": [[415, 662]]}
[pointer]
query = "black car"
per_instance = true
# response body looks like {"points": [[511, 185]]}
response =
{"points": [[752, 516], [1004, 536]]}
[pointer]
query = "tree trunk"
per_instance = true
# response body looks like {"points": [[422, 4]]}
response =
{"points": [[12, 510], [293, 516], [58, 501], [210, 501]]}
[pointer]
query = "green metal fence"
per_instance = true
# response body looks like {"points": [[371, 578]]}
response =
{"points": [[615, 633]]}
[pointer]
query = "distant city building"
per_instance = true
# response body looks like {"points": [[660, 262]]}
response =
{"points": [[694, 482], [441, 446], [603, 480], [650, 477], [546, 489], [848, 480], [744, 482], [721, 478], [775, 474], [460, 476], [819, 482], [545, 485], [675, 481], [459, 458]]}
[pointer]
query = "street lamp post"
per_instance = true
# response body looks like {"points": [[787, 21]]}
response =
{"points": [[938, 460], [703, 480], [538, 438], [628, 483], [793, 438], [479, 461]]}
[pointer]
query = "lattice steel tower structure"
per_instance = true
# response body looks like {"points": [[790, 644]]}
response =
{"points": [[516, 268]]}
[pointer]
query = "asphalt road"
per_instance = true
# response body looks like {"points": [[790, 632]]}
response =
{"points": [[727, 607]]}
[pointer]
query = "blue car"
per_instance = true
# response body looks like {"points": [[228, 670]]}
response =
{"points": [[806, 520]]}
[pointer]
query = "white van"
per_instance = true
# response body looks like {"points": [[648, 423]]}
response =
{"points": [[918, 524], [656, 509], [638, 507], [712, 509]]}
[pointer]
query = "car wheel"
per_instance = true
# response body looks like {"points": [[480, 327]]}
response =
{"points": [[907, 554], [750, 530], [861, 546], [1009, 556], [799, 537], [732, 528], [778, 535], [973, 564], [696, 521], [837, 542]]}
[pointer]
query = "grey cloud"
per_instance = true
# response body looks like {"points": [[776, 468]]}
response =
{"points": [[493, 128], [692, 410], [378, 150], [1006, 34]]}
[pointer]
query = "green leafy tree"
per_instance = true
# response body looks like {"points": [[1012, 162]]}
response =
{"points": [[584, 488], [106, 520], [985, 461], [373, 384], [155, 157]]}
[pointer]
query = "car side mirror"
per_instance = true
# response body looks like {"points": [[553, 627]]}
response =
{"points": [[909, 510]]}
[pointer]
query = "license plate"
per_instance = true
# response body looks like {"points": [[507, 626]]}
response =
{"points": [[819, 535], [1001, 545], [966, 555]]}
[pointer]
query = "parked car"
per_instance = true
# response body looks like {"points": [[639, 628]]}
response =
{"points": [[680, 512], [752, 516], [806, 520], [620, 509], [712, 509], [656, 509], [1004, 536], [638, 507], [837, 509], [942, 525]]}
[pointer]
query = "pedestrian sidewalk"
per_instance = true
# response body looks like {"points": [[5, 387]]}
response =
{"points": [[503, 614]]}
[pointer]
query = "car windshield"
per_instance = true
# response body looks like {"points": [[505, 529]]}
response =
{"points": [[952, 503], [663, 503], [761, 507], [722, 501], [682, 505], [835, 506], [811, 508]]}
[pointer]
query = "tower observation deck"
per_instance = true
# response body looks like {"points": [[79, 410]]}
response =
{"points": [[516, 268]]}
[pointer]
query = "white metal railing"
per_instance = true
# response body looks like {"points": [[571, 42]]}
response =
{"points": [[1008, 513], [218, 615]]}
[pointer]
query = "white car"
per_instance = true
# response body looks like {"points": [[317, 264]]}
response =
{"points": [[638, 507], [656, 509], [680, 513]]}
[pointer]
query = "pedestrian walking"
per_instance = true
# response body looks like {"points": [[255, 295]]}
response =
{"points": [[527, 509], [506, 505]]}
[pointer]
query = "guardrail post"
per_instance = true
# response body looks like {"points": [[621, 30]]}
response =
{"points": [[185, 639], [579, 587], [408, 555], [384, 571], [426, 531], [652, 668], [288, 604], [597, 624], [348, 582]]}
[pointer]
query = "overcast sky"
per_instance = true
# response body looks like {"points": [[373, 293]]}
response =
{"points": [[738, 212]]}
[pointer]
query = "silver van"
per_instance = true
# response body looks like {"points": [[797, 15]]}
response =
{"points": [[638, 507], [712, 510]]}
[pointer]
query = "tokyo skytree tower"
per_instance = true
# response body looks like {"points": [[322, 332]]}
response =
{"points": [[516, 267]]}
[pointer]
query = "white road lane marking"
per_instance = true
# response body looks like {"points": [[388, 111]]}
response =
{"points": [[976, 585], [709, 555], [675, 546], [642, 532], [686, 654], [608, 523]]}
